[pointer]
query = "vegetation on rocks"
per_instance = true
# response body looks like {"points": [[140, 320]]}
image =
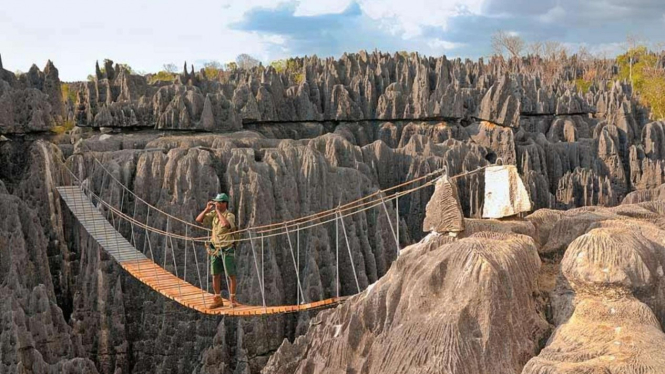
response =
{"points": [[645, 70]]}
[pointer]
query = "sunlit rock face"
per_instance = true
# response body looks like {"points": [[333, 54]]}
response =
{"points": [[68, 307], [445, 306]]}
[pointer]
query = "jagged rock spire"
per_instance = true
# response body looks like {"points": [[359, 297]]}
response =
{"points": [[108, 66]]}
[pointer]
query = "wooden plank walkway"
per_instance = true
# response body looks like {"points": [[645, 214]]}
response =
{"points": [[156, 277]]}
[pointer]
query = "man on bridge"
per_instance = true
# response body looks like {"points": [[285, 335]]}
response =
{"points": [[222, 254]]}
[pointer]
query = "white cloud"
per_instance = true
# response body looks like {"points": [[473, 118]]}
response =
{"points": [[601, 50], [437, 44], [553, 15], [412, 16], [317, 7]]}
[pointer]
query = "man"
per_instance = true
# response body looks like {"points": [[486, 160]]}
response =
{"points": [[222, 256]]}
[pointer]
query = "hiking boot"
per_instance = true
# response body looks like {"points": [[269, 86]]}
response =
{"points": [[217, 302]]}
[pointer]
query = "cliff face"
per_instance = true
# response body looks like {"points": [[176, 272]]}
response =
{"points": [[30, 102], [473, 304], [445, 306], [72, 306], [355, 87]]}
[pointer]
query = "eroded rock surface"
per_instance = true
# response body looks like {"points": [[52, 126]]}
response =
{"points": [[73, 308], [610, 302], [443, 307]]}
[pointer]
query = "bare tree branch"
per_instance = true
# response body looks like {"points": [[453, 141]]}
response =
{"points": [[246, 61], [504, 41]]}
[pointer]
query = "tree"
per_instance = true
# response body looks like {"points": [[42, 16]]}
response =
{"points": [[554, 50], [633, 47], [536, 48], [212, 69], [503, 41], [232, 66], [279, 65], [170, 68], [246, 61], [640, 66], [127, 68]]}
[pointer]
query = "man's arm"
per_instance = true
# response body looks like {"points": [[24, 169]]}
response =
{"points": [[202, 215], [222, 220]]}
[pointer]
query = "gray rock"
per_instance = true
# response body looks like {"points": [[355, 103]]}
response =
{"points": [[401, 325], [444, 212]]}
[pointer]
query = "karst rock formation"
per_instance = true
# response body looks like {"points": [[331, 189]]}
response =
{"points": [[465, 295]]}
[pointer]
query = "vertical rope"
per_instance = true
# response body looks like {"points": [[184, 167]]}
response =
{"points": [[263, 267], [288, 236], [337, 252], [166, 245], [208, 271], [348, 246], [152, 254], [397, 215], [298, 254], [122, 201], [175, 265], [226, 275], [104, 227], [133, 239], [258, 274], [390, 224], [198, 271], [184, 273]]}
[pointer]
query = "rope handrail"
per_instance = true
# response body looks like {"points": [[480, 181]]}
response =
{"points": [[332, 211], [273, 226], [145, 202], [365, 206], [277, 229]]}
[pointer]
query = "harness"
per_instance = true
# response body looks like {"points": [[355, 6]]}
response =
{"points": [[213, 251]]}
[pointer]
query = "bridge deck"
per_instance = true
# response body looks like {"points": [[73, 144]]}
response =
{"points": [[156, 277]]}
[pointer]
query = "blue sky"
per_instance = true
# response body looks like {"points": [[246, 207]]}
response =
{"points": [[149, 34]]}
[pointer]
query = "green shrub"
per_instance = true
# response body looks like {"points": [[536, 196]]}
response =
{"points": [[279, 65], [212, 69], [648, 79], [67, 93], [61, 129], [162, 76], [583, 85]]}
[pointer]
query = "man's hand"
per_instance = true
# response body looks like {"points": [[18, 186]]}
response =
{"points": [[209, 207]]}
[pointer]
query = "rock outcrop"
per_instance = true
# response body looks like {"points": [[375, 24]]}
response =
{"points": [[30, 102], [443, 307], [71, 308], [608, 307], [34, 333], [444, 211], [610, 304]]}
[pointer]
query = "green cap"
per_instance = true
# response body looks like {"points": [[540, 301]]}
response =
{"points": [[222, 197]]}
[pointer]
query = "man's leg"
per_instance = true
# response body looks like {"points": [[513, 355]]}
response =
{"points": [[230, 263], [216, 270], [217, 283], [232, 280]]}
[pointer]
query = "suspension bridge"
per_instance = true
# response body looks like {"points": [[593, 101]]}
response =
{"points": [[102, 220]]}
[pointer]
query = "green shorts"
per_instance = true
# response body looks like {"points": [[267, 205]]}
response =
{"points": [[224, 258]]}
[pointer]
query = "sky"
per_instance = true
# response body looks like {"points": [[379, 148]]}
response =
{"points": [[148, 34]]}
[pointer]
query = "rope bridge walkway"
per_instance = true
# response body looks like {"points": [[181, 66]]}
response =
{"points": [[103, 222]]}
